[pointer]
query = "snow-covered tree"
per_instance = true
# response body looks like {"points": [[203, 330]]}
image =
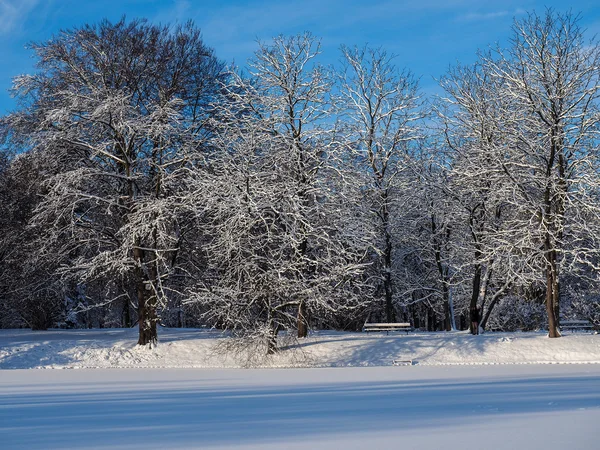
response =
{"points": [[114, 108], [521, 128], [473, 125], [279, 250], [380, 109], [146, 183], [550, 76], [294, 91]]}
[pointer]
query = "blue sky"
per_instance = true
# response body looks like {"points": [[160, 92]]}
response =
{"points": [[427, 35]]}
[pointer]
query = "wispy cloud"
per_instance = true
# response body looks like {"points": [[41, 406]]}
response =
{"points": [[175, 12], [489, 15], [13, 14]]}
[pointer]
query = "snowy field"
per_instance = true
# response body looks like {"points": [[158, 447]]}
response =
{"points": [[409, 407], [495, 391], [191, 348]]}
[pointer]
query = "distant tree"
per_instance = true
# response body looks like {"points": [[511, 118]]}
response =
{"points": [[30, 293], [380, 110], [475, 136]]}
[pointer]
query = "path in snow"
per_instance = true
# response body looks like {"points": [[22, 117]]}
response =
{"points": [[491, 407]]}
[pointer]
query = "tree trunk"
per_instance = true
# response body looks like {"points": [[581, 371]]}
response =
{"points": [[443, 271], [390, 314], [302, 320], [446, 298], [556, 294], [552, 294], [272, 344], [430, 326], [451, 309], [272, 338], [489, 312], [483, 290], [147, 318], [553, 331], [475, 296], [126, 313], [495, 299]]}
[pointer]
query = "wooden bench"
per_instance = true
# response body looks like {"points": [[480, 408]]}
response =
{"points": [[387, 327], [576, 325]]}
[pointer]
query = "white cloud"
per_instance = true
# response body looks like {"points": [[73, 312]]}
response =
{"points": [[484, 16], [490, 15], [177, 12], [13, 14]]}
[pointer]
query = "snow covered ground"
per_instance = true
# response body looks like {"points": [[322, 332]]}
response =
{"points": [[410, 407], [191, 348], [494, 391]]}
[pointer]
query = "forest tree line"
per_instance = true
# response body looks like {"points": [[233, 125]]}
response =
{"points": [[145, 182]]}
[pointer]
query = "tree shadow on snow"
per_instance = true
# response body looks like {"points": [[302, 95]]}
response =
{"points": [[173, 413]]}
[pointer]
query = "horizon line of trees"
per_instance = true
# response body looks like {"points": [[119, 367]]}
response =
{"points": [[144, 182]]}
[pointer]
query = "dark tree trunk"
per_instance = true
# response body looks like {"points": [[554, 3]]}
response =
{"points": [[475, 296], [39, 319], [272, 338], [272, 344], [556, 294], [431, 322], [474, 315], [390, 313], [476, 287], [302, 320], [552, 293], [552, 322], [443, 271], [126, 314], [146, 310], [147, 317], [447, 319], [388, 287], [488, 313]]}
